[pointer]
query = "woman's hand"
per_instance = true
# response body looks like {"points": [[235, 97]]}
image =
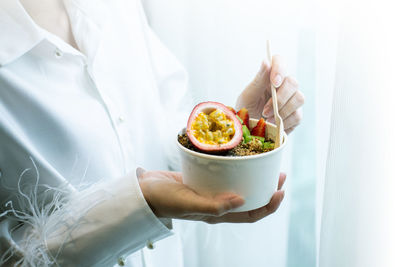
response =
{"points": [[257, 95], [168, 197]]}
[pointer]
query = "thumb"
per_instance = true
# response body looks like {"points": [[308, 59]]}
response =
{"points": [[260, 82], [217, 205], [268, 111], [140, 171], [257, 88], [277, 71]]}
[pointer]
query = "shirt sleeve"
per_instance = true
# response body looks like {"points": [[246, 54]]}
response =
{"points": [[118, 222], [64, 226]]}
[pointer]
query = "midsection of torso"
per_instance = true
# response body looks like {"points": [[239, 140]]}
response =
{"points": [[52, 16]]}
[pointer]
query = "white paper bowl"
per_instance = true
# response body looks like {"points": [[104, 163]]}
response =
{"points": [[255, 177]]}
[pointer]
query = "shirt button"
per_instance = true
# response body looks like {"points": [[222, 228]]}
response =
{"points": [[121, 119], [58, 53], [150, 245]]}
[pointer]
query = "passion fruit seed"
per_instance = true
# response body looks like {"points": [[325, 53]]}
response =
{"points": [[214, 128]]}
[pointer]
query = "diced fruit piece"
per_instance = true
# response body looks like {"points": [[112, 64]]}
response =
{"points": [[259, 130], [244, 115], [213, 128], [231, 109]]}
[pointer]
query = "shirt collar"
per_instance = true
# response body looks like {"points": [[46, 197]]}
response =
{"points": [[19, 33], [88, 18]]}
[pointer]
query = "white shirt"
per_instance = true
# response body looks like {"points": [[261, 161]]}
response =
{"points": [[80, 122]]}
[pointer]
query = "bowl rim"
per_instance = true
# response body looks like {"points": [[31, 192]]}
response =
{"points": [[231, 158]]}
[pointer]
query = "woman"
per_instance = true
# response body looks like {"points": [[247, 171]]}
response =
{"points": [[88, 94]]}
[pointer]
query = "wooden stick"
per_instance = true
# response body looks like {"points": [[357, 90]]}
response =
{"points": [[278, 119]]}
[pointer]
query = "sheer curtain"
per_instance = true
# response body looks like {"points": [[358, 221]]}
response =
{"points": [[361, 215], [222, 43]]}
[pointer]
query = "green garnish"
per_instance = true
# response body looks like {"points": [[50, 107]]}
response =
{"points": [[247, 139], [246, 131], [246, 134], [262, 139], [268, 145]]}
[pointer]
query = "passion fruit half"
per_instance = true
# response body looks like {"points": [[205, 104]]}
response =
{"points": [[213, 128]]}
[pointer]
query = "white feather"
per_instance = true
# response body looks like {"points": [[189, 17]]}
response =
{"points": [[41, 217]]}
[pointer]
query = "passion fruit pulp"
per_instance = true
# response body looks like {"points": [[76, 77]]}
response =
{"points": [[213, 128]]}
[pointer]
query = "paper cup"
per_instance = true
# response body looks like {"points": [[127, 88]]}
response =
{"points": [[255, 177]]}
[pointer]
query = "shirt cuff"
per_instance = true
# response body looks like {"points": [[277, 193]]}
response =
{"points": [[166, 221], [148, 224], [110, 221]]}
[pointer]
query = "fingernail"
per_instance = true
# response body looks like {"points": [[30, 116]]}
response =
{"points": [[277, 80], [268, 112]]}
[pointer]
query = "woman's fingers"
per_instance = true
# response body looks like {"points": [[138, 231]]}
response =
{"points": [[293, 119], [168, 197], [177, 176], [268, 111], [282, 179], [291, 122], [288, 131], [274, 203], [278, 72], [253, 215], [225, 202], [270, 208], [284, 93], [216, 206], [257, 88], [277, 76], [292, 104], [173, 176], [262, 78], [250, 216]]}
